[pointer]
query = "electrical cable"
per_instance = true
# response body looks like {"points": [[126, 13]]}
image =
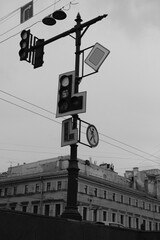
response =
{"points": [[33, 16], [137, 149], [9, 94], [29, 110], [15, 150], [70, 3], [4, 18], [83, 126], [128, 151]]}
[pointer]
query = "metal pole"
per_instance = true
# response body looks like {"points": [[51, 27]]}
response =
{"points": [[71, 210]]}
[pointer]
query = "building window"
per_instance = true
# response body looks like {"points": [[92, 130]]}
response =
{"points": [[46, 209], [122, 199], [143, 205], [143, 225], [26, 189], [136, 203], [24, 208], [149, 206], [114, 197], [59, 185], [13, 207], [86, 189], [95, 192], [37, 188], [155, 208], [129, 201], [129, 222], [137, 223], [14, 190], [104, 216], [156, 226], [84, 213], [48, 186], [35, 209], [1, 192], [95, 215], [113, 217], [122, 219], [150, 226], [104, 194], [5, 191], [58, 210]]}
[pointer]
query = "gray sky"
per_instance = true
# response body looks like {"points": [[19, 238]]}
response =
{"points": [[123, 99]]}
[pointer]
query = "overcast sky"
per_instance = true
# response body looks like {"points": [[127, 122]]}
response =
{"points": [[123, 98]]}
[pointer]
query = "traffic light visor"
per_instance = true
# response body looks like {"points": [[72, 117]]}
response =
{"points": [[25, 34]]}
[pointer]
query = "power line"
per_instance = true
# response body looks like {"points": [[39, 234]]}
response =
{"points": [[82, 126], [18, 32], [137, 149], [33, 16], [29, 110], [128, 151], [70, 3], [9, 94], [15, 150], [60, 123], [5, 18]]}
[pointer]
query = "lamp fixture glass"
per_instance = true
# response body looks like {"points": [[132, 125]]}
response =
{"points": [[59, 14], [49, 20]]}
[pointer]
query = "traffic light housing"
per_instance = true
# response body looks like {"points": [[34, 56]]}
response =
{"points": [[69, 102], [25, 42], [38, 53]]}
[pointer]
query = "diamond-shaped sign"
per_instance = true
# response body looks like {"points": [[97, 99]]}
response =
{"points": [[96, 56]]}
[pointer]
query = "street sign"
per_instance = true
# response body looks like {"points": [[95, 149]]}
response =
{"points": [[26, 12], [96, 56], [92, 136], [69, 135]]}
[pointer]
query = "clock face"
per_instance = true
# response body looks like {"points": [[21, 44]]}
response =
{"points": [[92, 136], [65, 81]]}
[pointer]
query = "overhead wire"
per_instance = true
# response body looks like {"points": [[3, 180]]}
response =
{"points": [[24, 108], [15, 27], [12, 12], [137, 149], [70, 3], [128, 151], [114, 145], [9, 94], [18, 98]]}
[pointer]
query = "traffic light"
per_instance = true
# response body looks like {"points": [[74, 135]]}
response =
{"points": [[38, 53], [69, 103], [25, 45]]}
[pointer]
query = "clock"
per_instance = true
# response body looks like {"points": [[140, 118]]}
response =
{"points": [[92, 136]]}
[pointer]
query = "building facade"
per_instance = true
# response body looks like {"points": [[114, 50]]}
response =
{"points": [[103, 196]]}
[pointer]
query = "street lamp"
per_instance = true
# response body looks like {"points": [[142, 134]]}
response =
{"points": [[50, 20]]}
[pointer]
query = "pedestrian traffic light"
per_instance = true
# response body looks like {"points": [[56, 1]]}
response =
{"points": [[68, 102], [24, 44], [38, 53]]}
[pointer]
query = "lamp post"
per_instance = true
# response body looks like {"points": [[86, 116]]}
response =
{"points": [[71, 210]]}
